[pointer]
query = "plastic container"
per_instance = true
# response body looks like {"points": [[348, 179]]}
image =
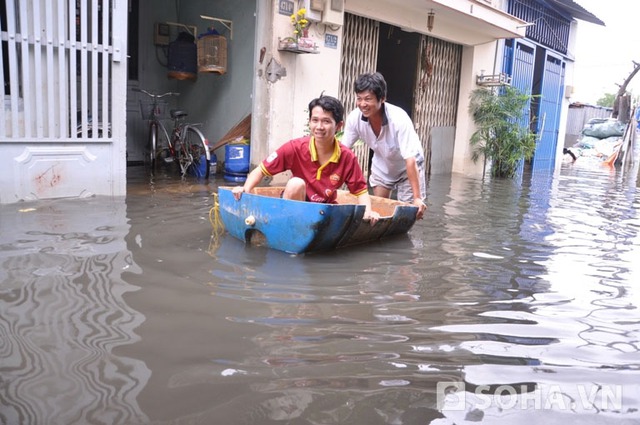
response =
{"points": [[201, 169], [213, 164], [238, 178], [236, 164]]}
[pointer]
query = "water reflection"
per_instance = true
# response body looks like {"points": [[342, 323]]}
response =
{"points": [[63, 314], [134, 313], [327, 334], [580, 308]]}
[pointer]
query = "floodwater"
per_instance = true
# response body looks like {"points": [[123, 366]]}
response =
{"points": [[511, 302]]}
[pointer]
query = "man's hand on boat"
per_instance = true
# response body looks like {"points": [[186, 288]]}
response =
{"points": [[237, 192], [371, 216], [422, 207]]}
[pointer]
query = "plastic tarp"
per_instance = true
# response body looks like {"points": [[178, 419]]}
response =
{"points": [[601, 139], [603, 128]]}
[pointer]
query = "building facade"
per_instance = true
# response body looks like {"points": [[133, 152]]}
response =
{"points": [[72, 70]]}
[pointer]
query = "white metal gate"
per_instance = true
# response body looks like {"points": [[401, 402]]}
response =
{"points": [[62, 124]]}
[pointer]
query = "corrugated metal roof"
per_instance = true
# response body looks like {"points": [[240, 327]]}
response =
{"points": [[576, 11]]}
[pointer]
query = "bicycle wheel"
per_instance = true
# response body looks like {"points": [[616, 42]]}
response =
{"points": [[159, 148], [152, 148], [194, 154]]}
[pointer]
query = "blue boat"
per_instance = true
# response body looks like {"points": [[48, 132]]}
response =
{"points": [[263, 218]]}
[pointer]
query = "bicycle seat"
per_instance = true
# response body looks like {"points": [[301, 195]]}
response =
{"points": [[177, 113]]}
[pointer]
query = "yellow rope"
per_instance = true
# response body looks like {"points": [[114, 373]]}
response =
{"points": [[216, 224]]}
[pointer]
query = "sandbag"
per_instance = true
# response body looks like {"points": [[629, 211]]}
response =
{"points": [[602, 129], [586, 142]]}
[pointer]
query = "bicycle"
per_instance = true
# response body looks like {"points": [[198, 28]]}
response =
{"points": [[187, 145]]}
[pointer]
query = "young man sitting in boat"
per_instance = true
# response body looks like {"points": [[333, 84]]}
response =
{"points": [[319, 164]]}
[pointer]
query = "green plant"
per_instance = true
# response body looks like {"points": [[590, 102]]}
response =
{"points": [[299, 22], [502, 134], [607, 100]]}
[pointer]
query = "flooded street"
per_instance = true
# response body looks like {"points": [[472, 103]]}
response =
{"points": [[511, 302]]}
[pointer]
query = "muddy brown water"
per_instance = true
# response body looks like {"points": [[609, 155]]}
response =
{"points": [[511, 302]]}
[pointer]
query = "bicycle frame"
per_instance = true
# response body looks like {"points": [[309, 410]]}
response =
{"points": [[180, 148], [185, 142], [161, 130]]}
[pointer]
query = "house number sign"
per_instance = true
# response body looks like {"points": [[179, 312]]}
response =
{"points": [[285, 7], [331, 41]]}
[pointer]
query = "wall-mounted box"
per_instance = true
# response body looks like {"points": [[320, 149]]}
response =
{"points": [[161, 34], [317, 5], [312, 15], [568, 91], [333, 13]]}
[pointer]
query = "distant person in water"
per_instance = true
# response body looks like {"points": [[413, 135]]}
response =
{"points": [[566, 151], [319, 164]]}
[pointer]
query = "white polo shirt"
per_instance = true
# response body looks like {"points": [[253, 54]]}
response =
{"points": [[397, 141]]}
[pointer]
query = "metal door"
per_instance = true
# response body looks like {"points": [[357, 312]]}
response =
{"points": [[549, 112], [436, 97], [359, 55], [62, 123], [437, 78], [520, 64]]}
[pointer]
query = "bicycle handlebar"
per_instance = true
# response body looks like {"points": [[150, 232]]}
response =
{"points": [[154, 95]]}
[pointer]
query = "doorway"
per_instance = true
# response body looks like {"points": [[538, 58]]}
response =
{"points": [[398, 53]]}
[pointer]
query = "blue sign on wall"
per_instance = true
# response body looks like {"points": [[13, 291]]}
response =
{"points": [[331, 41], [285, 7]]}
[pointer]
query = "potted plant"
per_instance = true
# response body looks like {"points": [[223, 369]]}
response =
{"points": [[503, 134], [300, 23], [299, 41]]}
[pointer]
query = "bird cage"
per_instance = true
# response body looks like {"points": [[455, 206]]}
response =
{"points": [[212, 53], [182, 57]]}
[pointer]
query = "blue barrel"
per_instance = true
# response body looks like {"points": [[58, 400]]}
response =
{"points": [[236, 164], [201, 169], [213, 165]]}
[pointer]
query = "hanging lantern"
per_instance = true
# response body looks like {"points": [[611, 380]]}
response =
{"points": [[431, 17], [212, 52]]}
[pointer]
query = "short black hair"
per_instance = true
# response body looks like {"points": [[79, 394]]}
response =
{"points": [[329, 104], [374, 82]]}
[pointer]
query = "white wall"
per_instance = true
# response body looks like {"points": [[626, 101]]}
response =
{"points": [[281, 107], [566, 100], [474, 60]]}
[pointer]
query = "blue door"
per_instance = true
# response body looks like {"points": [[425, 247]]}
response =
{"points": [[548, 119], [519, 64]]}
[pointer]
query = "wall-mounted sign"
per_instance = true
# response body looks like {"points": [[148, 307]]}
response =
{"points": [[331, 41], [285, 7]]}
